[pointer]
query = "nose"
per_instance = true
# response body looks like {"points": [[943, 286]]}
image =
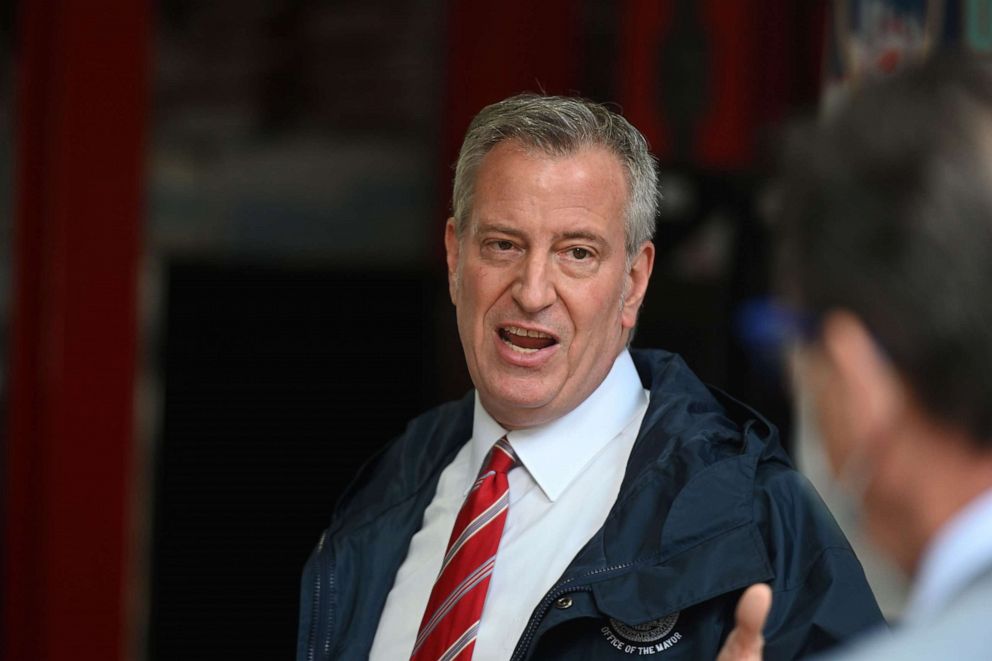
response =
{"points": [[534, 287]]}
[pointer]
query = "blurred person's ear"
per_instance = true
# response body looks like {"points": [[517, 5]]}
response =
{"points": [[870, 393]]}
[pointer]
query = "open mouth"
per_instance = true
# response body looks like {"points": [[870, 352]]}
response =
{"points": [[525, 340]]}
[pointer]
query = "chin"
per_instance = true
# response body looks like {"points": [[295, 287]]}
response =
{"points": [[517, 404], [516, 409]]}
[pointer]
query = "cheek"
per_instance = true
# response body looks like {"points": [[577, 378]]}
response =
{"points": [[480, 293], [604, 306]]}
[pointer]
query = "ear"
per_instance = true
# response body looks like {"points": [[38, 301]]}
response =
{"points": [[871, 391], [451, 246], [637, 284]]}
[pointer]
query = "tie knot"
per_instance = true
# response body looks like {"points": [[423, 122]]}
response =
{"points": [[501, 458]]}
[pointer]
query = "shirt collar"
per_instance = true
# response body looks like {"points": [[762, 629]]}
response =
{"points": [[959, 554], [556, 452]]}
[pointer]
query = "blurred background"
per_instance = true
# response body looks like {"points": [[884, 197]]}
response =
{"points": [[222, 284]]}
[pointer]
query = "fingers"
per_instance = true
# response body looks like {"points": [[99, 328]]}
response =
{"points": [[752, 609], [745, 642]]}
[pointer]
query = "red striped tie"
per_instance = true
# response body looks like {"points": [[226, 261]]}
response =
{"points": [[451, 620]]}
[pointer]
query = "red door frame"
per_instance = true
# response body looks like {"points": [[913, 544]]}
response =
{"points": [[81, 114]]}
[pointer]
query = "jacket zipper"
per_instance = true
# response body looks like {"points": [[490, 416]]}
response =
{"points": [[330, 611], [312, 638], [556, 593]]}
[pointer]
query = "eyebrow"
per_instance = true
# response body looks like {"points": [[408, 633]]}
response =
{"points": [[494, 227], [512, 231], [587, 236]]}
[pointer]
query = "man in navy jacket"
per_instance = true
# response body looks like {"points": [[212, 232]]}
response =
{"points": [[642, 502]]}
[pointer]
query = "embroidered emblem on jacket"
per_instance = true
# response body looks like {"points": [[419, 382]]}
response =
{"points": [[643, 639]]}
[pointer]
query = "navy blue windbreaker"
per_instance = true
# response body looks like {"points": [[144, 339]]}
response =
{"points": [[709, 505]]}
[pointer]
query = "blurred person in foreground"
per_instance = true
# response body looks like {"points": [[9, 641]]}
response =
{"points": [[584, 501], [887, 256]]}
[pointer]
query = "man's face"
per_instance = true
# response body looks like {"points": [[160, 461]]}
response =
{"points": [[544, 300]]}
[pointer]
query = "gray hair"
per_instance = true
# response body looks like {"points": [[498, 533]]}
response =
{"points": [[559, 126]]}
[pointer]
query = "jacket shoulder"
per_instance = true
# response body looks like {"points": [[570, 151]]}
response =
{"points": [[689, 418], [784, 496]]}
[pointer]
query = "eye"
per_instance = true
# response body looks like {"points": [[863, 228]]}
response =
{"points": [[579, 253], [502, 244]]}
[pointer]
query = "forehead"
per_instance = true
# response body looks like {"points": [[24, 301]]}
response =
{"points": [[514, 175]]}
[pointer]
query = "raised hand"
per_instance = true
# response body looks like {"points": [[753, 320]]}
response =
{"points": [[745, 642]]}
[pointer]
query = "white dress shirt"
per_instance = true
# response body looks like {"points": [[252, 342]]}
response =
{"points": [[569, 479], [960, 554]]}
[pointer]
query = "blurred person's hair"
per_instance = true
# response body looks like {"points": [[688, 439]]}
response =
{"points": [[885, 210], [560, 126]]}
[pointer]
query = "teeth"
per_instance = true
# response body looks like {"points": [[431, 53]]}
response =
{"points": [[518, 349], [523, 332]]}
